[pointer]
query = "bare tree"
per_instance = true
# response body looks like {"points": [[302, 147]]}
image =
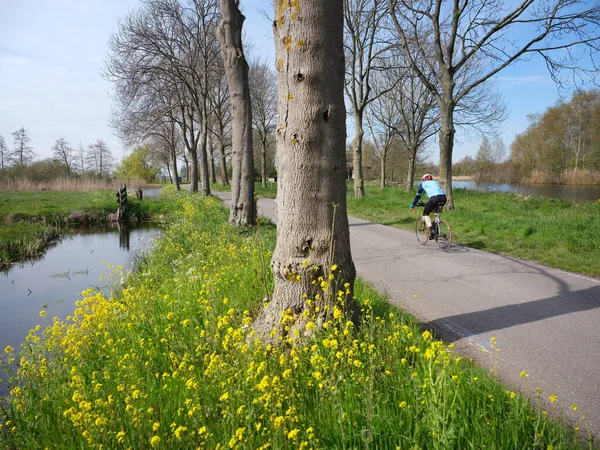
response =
{"points": [[99, 158], [22, 153], [312, 228], [220, 130], [168, 47], [363, 48], [64, 153], [407, 110], [243, 210], [3, 153], [488, 36], [263, 90], [383, 124], [580, 128], [81, 157], [221, 121], [152, 116]]}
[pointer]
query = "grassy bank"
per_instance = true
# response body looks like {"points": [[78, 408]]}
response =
{"points": [[29, 220], [170, 362]]}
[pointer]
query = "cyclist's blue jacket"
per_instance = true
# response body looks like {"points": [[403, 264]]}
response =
{"points": [[431, 188]]}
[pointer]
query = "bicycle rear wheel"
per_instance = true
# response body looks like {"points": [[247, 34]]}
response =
{"points": [[421, 231], [444, 236]]}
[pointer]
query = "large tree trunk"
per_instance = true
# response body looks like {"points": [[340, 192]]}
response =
{"points": [[312, 228], [446, 147], [243, 210], [359, 183]]}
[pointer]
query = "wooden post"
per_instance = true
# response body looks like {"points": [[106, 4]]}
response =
{"points": [[121, 203]]}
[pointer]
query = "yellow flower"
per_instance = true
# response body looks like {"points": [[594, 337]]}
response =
{"points": [[553, 398], [8, 349], [523, 374], [574, 406], [292, 434], [43, 313], [179, 431], [154, 441], [278, 421], [224, 397], [155, 426], [120, 436], [334, 268]]}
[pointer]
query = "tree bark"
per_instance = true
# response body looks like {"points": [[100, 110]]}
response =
{"points": [[383, 163], [175, 178], [263, 161], [224, 177], [359, 183], [204, 174], [211, 161], [446, 147], [312, 228], [410, 179], [243, 210]]}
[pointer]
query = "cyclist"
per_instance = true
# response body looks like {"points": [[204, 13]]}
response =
{"points": [[436, 196]]}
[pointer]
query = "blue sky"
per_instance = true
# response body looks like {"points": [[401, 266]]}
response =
{"points": [[52, 52]]}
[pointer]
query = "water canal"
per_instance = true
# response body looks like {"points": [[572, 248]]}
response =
{"points": [[54, 282], [567, 193]]}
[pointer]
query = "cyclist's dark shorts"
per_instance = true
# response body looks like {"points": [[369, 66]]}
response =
{"points": [[432, 203]]}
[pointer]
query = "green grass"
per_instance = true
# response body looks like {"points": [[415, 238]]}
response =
{"points": [[269, 192], [29, 220], [170, 362], [550, 231]]}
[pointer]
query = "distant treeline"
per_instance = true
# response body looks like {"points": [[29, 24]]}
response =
{"points": [[560, 146]]}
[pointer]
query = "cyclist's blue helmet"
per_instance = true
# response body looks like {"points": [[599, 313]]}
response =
{"points": [[427, 177]]}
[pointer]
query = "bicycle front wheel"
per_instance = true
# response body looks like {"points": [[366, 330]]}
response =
{"points": [[421, 231], [444, 236]]}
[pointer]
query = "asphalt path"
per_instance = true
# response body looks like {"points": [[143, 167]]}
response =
{"points": [[546, 322]]}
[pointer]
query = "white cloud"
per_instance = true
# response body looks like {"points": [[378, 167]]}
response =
{"points": [[523, 80]]}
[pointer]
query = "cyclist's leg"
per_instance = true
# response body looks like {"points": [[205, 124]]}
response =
{"points": [[429, 206]]}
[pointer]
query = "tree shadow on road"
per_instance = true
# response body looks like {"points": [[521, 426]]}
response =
{"points": [[566, 301]]}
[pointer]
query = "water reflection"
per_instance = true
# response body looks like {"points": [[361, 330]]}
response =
{"points": [[54, 282], [153, 192], [568, 193]]}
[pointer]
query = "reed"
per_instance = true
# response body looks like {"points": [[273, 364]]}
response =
{"points": [[580, 177], [70, 184]]}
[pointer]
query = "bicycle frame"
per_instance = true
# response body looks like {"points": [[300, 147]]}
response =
{"points": [[442, 235]]}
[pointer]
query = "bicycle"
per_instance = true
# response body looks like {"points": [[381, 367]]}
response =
{"points": [[440, 231]]}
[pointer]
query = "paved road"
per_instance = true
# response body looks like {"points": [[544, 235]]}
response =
{"points": [[546, 321]]}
